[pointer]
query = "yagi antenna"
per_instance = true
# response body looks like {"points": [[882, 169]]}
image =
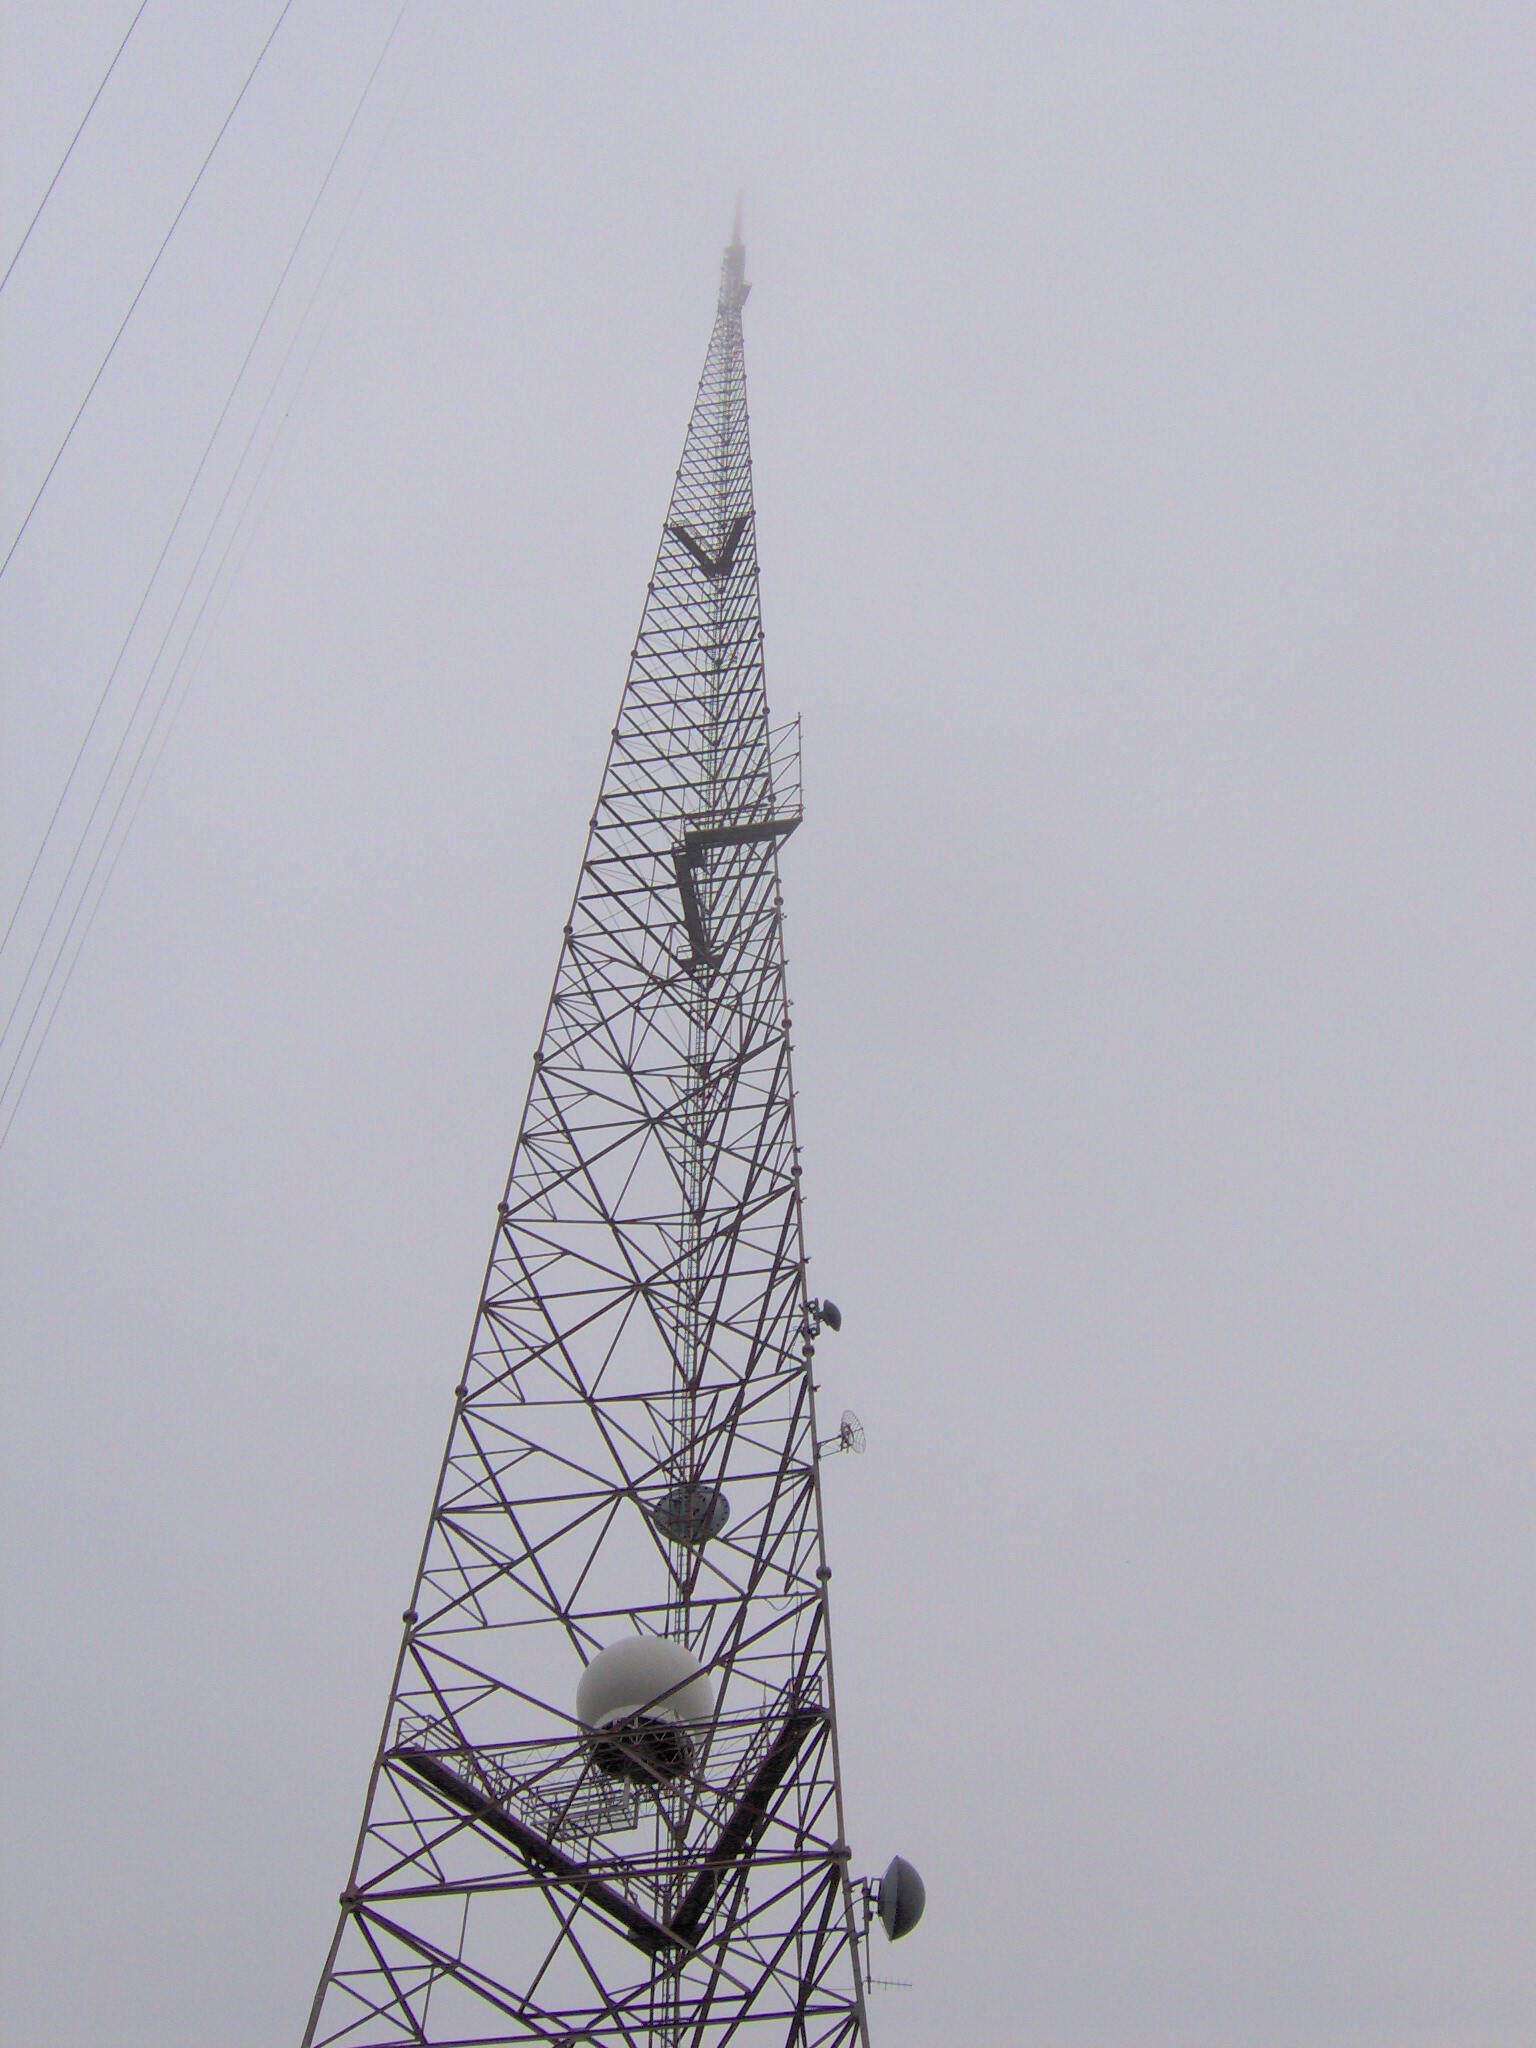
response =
{"points": [[850, 1437]]}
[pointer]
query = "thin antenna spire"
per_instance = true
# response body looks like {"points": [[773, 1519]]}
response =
{"points": [[733, 271]]}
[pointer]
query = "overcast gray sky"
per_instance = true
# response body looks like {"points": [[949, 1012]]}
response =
{"points": [[1143, 420]]}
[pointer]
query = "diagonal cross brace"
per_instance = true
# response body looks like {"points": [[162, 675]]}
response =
{"points": [[743, 1831], [739, 1837], [537, 1852], [714, 566]]}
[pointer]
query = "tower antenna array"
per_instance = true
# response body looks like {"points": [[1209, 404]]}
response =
{"points": [[606, 1805]]}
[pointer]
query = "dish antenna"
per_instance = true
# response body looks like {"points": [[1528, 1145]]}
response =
{"points": [[823, 1314], [896, 1900], [691, 1514], [850, 1437], [900, 1898]]}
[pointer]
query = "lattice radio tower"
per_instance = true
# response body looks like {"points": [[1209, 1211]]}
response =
{"points": [[606, 1805]]}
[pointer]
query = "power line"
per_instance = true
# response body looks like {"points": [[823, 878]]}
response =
{"points": [[165, 550], [143, 287], [144, 744], [138, 705], [5, 1084], [64, 159], [37, 1050]]}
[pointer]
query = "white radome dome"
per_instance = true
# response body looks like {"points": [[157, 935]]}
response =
{"points": [[631, 1677]]}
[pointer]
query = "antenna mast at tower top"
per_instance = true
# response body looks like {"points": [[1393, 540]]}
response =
{"points": [[605, 1806]]}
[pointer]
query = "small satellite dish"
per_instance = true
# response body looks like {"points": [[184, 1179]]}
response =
{"points": [[822, 1315], [850, 1437], [900, 1899]]}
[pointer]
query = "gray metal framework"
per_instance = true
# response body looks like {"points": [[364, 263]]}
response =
{"points": [[633, 1448]]}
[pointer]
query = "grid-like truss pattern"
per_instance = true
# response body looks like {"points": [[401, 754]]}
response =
{"points": [[633, 1449]]}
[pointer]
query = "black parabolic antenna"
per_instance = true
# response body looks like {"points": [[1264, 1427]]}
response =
{"points": [[901, 1899]]}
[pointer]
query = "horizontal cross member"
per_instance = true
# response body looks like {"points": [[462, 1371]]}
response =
{"points": [[702, 837]]}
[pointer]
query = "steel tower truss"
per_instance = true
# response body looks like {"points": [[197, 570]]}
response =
{"points": [[641, 1361]]}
